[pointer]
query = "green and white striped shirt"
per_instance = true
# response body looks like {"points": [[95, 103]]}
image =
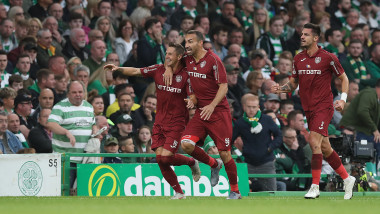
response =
{"points": [[276, 42], [78, 120]]}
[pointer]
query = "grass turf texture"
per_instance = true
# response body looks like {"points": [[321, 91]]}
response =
{"points": [[193, 205]]}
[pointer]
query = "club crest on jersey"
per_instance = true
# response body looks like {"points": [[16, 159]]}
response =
{"points": [[203, 64], [178, 78], [307, 66], [317, 60]]}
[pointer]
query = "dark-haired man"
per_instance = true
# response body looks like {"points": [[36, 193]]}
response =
{"points": [[312, 72], [171, 114]]}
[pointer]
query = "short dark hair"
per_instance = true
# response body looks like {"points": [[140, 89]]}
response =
{"points": [[330, 32], [149, 96], [315, 29], [124, 93], [119, 74], [217, 29], [375, 31], [150, 22], [14, 78], [286, 102], [197, 33], [292, 115], [75, 16], [276, 18], [179, 49], [187, 17], [119, 88], [2, 52], [22, 56], [354, 41], [121, 25], [43, 74], [199, 18], [102, 1]]}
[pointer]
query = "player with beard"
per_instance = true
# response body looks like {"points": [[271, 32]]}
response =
{"points": [[170, 118], [212, 117], [312, 72]]}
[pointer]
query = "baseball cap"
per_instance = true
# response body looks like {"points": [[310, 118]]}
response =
{"points": [[22, 98], [274, 97], [363, 2], [230, 68], [124, 118], [256, 53], [332, 130], [160, 11], [30, 46], [282, 9], [209, 142], [111, 140]]}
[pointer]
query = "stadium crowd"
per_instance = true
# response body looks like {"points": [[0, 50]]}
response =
{"points": [[55, 92]]}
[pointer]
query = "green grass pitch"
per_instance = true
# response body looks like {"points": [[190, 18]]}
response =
{"points": [[193, 205]]}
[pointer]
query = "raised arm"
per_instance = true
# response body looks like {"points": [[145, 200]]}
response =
{"points": [[290, 86], [129, 71]]}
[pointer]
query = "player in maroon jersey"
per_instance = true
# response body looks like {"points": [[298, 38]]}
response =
{"points": [[171, 116], [312, 72], [212, 117]]}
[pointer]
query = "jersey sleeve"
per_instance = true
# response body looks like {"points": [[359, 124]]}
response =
{"points": [[335, 65], [294, 72], [150, 71], [220, 73]]}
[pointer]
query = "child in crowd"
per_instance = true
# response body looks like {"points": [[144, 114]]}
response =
{"points": [[144, 141], [126, 146], [111, 146]]}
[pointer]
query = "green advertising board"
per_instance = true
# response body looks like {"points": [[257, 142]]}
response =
{"points": [[147, 180]]}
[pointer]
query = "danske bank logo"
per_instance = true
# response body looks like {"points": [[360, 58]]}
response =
{"points": [[147, 181]]}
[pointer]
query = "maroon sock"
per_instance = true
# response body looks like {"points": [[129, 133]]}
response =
{"points": [[337, 165], [180, 160], [170, 176], [232, 175], [203, 157], [316, 166]]}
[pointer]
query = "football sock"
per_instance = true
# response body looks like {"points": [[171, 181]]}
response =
{"points": [[232, 175], [178, 160], [169, 174], [203, 157], [337, 165], [316, 166]]}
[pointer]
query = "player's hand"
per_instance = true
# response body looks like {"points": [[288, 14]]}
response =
{"points": [[376, 135], [190, 103], [168, 75], [339, 105], [71, 138], [207, 111], [111, 67]]}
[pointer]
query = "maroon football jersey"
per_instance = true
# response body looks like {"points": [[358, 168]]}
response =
{"points": [[205, 75], [314, 74], [171, 107]]}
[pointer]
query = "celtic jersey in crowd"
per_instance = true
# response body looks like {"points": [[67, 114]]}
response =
{"points": [[78, 120]]}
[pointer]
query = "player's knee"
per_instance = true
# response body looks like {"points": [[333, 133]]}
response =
{"points": [[188, 142]]}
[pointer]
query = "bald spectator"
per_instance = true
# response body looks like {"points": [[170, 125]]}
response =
{"points": [[40, 136], [45, 100], [45, 79], [98, 51], [45, 48], [40, 10]]}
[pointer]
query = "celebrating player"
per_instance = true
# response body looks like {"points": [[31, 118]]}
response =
{"points": [[312, 71], [171, 115], [212, 117]]}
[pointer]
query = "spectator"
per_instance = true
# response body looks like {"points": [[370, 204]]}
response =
{"points": [[123, 126], [45, 79], [257, 61], [23, 68], [82, 74], [334, 43], [237, 37], [111, 146], [118, 12], [13, 54], [261, 23], [125, 102], [16, 82], [105, 26], [124, 42], [373, 64], [187, 23], [14, 127], [285, 107], [64, 125], [40, 136], [145, 115], [34, 26], [294, 43], [21, 30], [121, 89], [204, 22], [296, 122], [144, 142], [272, 102], [102, 123], [60, 87], [98, 80], [117, 78], [271, 41], [104, 9], [254, 82], [363, 115], [352, 20], [76, 45], [9, 143], [235, 91], [45, 100], [8, 95], [45, 48], [40, 10], [245, 15], [8, 41], [96, 101], [261, 137], [338, 20], [375, 36], [52, 24], [69, 5], [56, 11], [358, 34], [3, 12], [31, 50], [219, 41], [188, 7], [98, 52], [139, 16], [126, 145], [227, 18], [71, 65], [4, 74], [23, 108], [366, 9]]}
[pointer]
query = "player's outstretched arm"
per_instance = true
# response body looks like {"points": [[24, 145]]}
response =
{"points": [[290, 86], [129, 71], [339, 104]]}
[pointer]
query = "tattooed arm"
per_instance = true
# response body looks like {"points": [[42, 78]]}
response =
{"points": [[290, 86]]}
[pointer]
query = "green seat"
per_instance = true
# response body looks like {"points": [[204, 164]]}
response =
{"points": [[371, 167]]}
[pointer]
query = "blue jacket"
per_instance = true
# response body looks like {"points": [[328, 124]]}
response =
{"points": [[258, 148], [13, 143]]}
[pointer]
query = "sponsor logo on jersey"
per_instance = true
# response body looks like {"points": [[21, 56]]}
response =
{"points": [[303, 59], [178, 78], [309, 71], [203, 64], [317, 60], [169, 89], [198, 75]]}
